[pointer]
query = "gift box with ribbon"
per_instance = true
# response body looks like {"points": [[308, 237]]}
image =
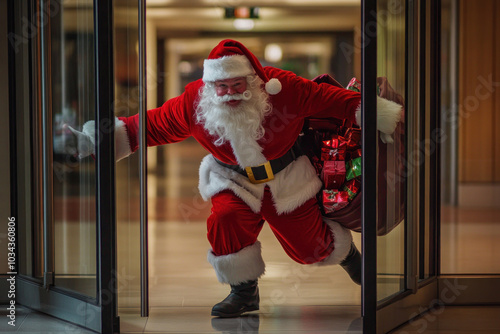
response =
{"points": [[333, 174]]}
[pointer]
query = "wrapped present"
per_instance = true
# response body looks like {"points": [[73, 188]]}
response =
{"points": [[353, 138], [352, 187], [353, 168], [354, 85], [348, 124], [333, 149], [317, 164], [353, 154], [333, 154], [333, 174], [334, 200]]}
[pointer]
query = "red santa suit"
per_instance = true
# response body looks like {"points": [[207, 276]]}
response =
{"points": [[239, 207]]}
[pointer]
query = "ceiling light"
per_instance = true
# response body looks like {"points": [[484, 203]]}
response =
{"points": [[273, 53], [243, 24]]}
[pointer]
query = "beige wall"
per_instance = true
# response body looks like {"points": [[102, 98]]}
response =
{"points": [[479, 102]]}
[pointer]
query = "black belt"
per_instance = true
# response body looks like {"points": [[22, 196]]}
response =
{"points": [[265, 172]]}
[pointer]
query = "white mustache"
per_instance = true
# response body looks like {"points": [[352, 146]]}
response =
{"points": [[245, 96]]}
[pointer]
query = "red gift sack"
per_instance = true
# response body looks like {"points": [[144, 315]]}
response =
{"points": [[391, 180]]}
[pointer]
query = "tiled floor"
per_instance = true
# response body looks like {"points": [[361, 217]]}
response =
{"points": [[28, 321], [456, 319]]}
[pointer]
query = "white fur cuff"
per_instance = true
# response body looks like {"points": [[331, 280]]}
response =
{"points": [[388, 115], [342, 239], [358, 114], [239, 267], [122, 145]]}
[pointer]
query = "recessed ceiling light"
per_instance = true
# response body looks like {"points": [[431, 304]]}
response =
{"points": [[243, 24]]}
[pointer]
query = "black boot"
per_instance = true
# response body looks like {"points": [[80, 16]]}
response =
{"points": [[352, 264], [244, 297]]}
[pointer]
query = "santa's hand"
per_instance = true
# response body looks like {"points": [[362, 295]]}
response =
{"points": [[85, 139], [388, 115]]}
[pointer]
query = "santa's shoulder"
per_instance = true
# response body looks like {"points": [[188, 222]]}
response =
{"points": [[274, 72], [193, 86]]}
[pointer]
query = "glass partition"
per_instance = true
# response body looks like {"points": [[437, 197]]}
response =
{"points": [[391, 84], [126, 103], [73, 103]]}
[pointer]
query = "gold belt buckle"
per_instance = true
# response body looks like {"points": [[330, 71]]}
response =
{"points": [[269, 172]]}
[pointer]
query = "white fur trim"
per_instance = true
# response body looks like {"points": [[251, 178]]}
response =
{"points": [[358, 114], [239, 267], [388, 115], [86, 139], [247, 151], [122, 144], [342, 239], [291, 187], [294, 185], [214, 178], [226, 67], [89, 129], [273, 86]]}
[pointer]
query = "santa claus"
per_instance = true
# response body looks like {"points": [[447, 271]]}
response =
{"points": [[248, 118]]}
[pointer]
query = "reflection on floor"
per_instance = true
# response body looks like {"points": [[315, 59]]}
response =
{"points": [[470, 240], [279, 320]]}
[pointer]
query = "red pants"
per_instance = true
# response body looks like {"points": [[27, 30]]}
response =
{"points": [[302, 233]]}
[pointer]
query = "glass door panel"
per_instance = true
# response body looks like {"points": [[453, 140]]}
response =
{"points": [[391, 60], [73, 182], [405, 244], [127, 170]]}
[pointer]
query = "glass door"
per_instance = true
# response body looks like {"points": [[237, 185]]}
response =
{"points": [[400, 58], [65, 204], [131, 173]]}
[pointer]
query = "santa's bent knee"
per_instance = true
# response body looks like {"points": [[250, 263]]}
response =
{"points": [[232, 226], [224, 217]]}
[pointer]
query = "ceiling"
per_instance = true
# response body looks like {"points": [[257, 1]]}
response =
{"points": [[187, 17], [183, 18]]}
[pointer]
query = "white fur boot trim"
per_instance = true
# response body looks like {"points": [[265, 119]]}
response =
{"points": [[342, 240], [239, 267]]}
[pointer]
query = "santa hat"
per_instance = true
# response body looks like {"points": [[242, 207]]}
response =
{"points": [[231, 59]]}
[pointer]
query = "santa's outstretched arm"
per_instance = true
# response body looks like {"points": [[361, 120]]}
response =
{"points": [[169, 123]]}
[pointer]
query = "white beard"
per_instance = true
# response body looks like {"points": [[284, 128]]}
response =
{"points": [[240, 125], [226, 122]]}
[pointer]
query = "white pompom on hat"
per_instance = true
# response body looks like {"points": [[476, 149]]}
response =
{"points": [[231, 59]]}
